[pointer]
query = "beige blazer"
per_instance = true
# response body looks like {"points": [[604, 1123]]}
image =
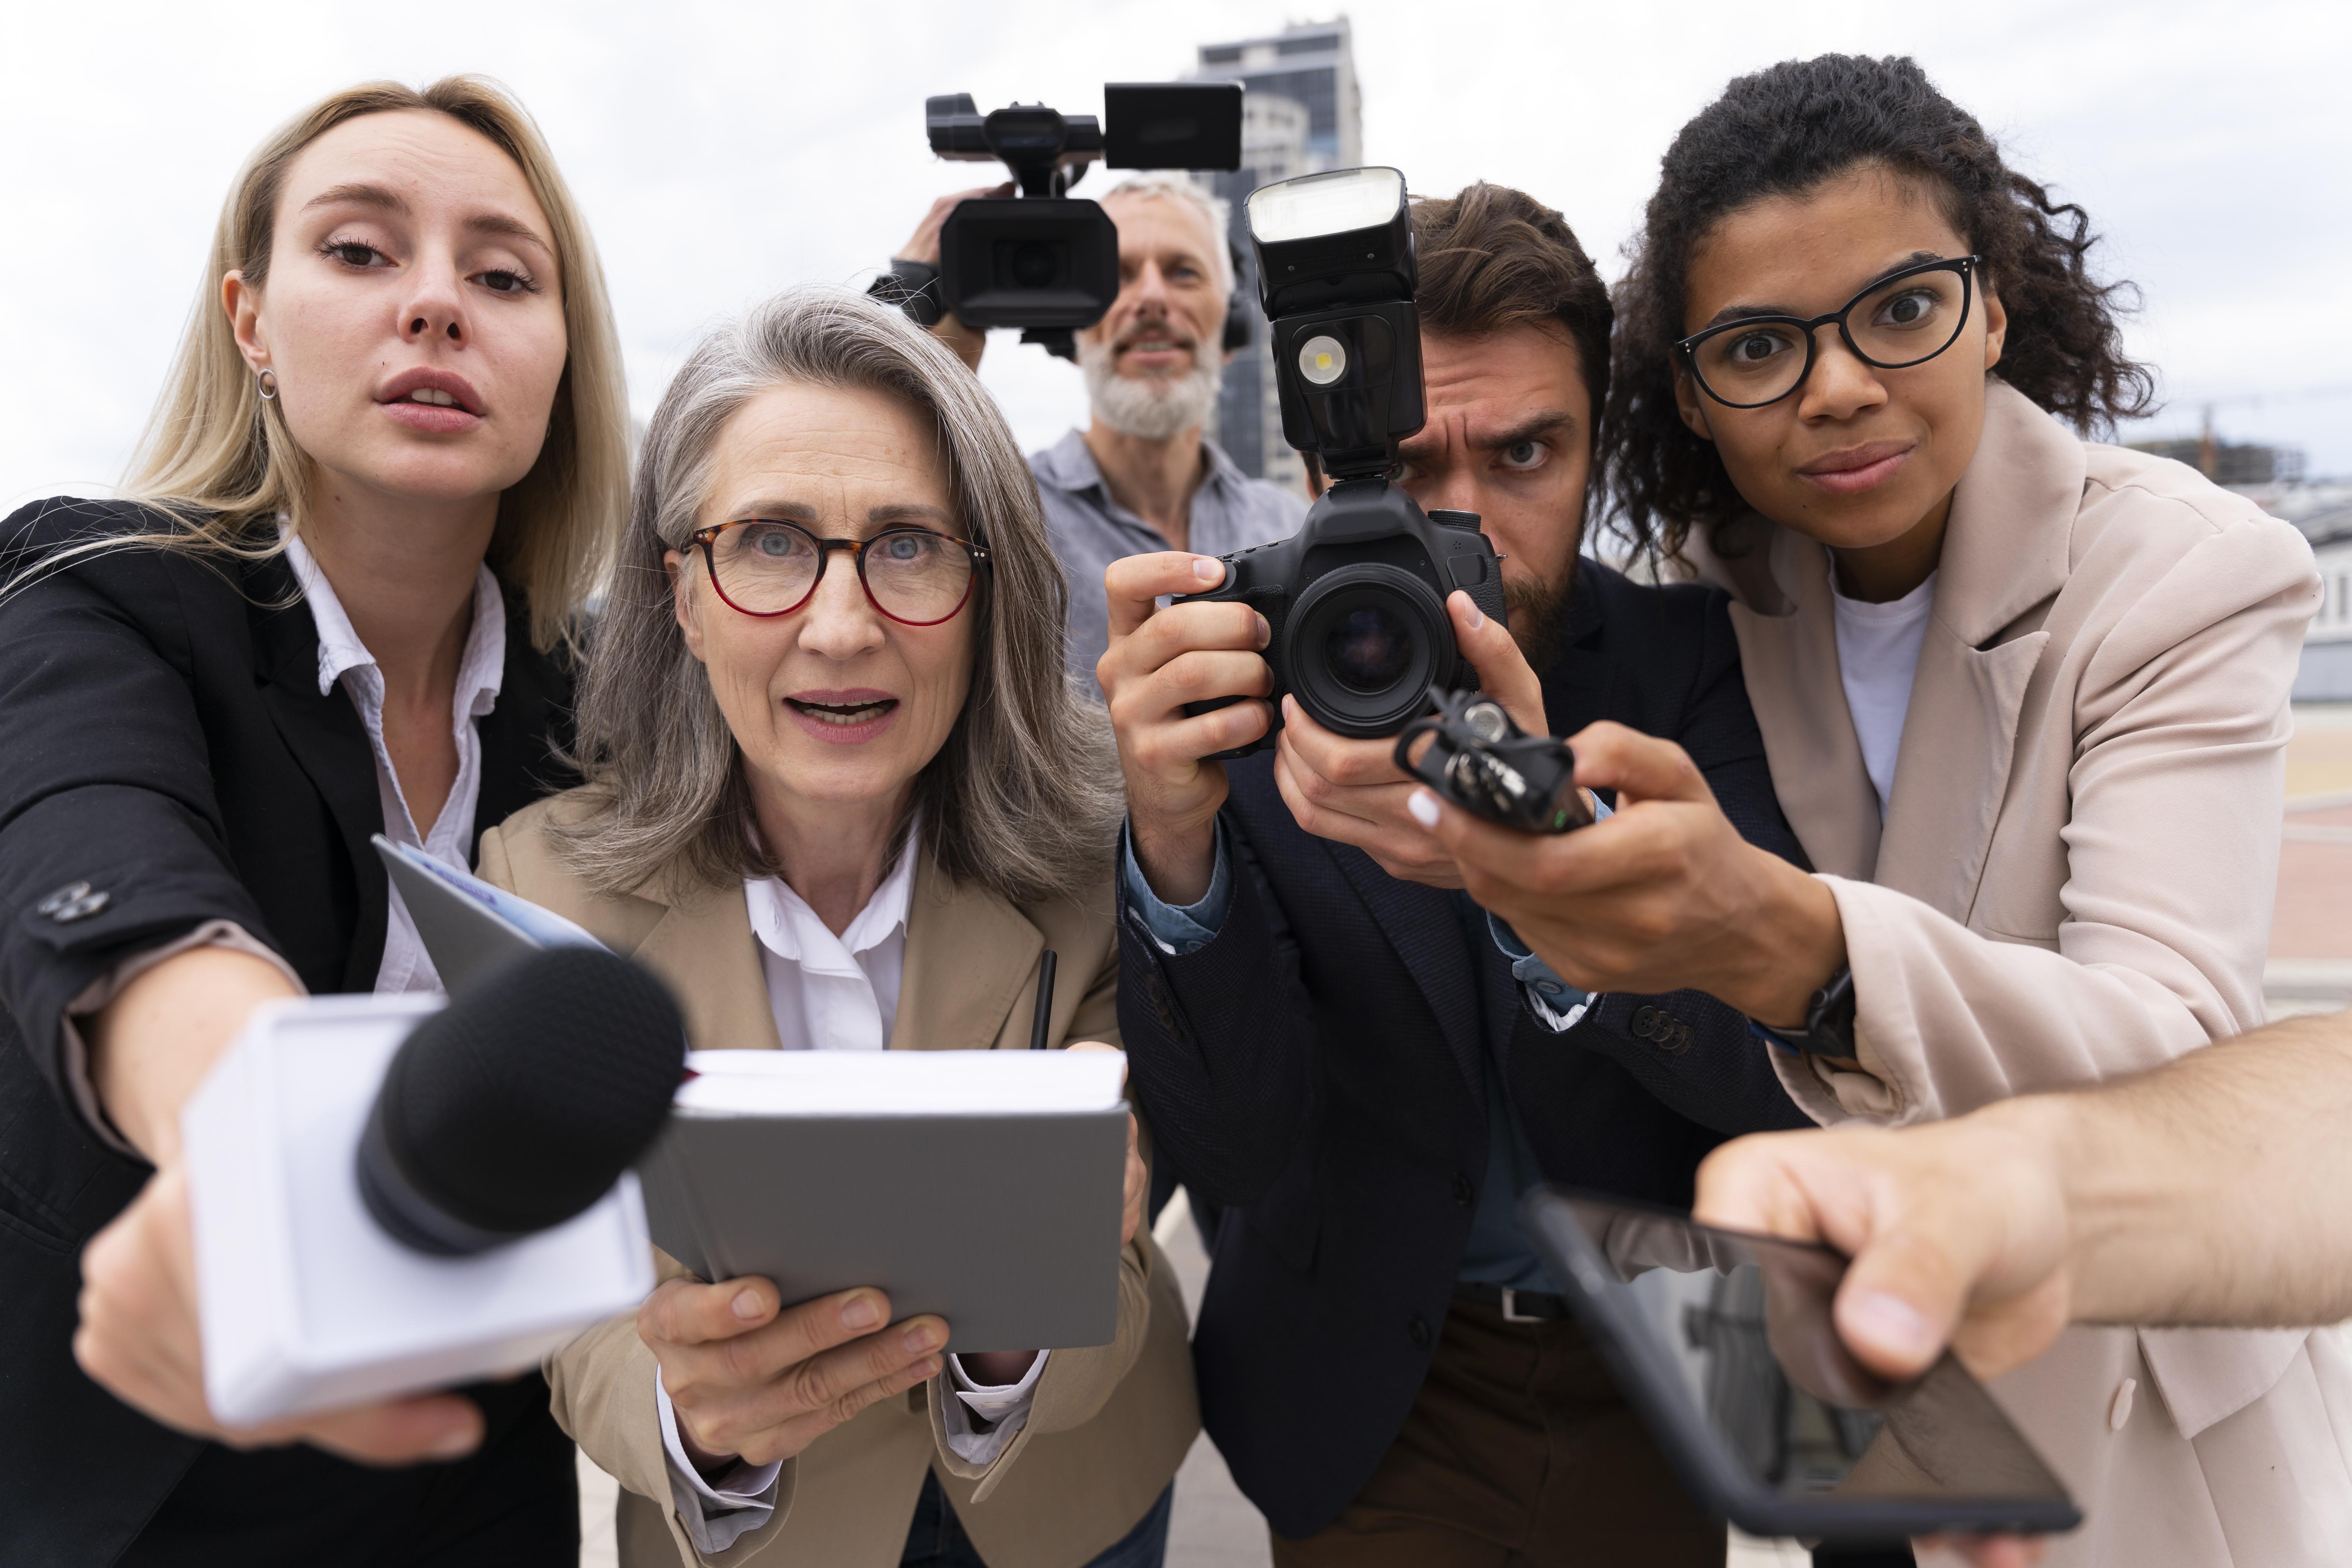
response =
{"points": [[2073, 881], [1109, 1425]]}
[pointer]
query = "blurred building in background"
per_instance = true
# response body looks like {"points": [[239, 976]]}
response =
{"points": [[1301, 113], [2272, 477], [2230, 463]]}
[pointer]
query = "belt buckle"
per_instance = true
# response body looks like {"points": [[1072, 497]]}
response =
{"points": [[1511, 1313]]}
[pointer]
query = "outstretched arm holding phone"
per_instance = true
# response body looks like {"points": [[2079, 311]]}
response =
{"points": [[2210, 1191]]}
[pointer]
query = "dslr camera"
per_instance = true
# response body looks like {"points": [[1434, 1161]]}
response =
{"points": [[1356, 598], [1044, 261]]}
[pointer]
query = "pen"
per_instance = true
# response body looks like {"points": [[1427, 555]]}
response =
{"points": [[1045, 1000]]}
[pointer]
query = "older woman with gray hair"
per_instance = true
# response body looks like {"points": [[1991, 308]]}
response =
{"points": [[841, 795]]}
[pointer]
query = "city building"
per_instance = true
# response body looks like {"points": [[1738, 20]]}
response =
{"points": [[2229, 463], [1301, 113]]}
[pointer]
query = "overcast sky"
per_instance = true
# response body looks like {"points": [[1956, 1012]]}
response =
{"points": [[723, 150]]}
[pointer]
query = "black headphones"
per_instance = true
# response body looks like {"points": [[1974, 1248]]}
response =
{"points": [[1240, 310]]}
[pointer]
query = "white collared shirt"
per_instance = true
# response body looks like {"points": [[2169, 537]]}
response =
{"points": [[481, 668], [829, 993], [833, 993]]}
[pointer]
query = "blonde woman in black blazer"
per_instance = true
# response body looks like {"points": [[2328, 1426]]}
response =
{"points": [[382, 482]]}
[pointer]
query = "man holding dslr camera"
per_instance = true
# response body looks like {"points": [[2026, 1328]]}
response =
{"points": [[1142, 477], [1333, 1043]]}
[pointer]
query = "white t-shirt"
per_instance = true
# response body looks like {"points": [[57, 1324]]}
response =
{"points": [[1878, 653]]}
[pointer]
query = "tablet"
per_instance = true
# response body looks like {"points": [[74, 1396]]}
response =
{"points": [[1723, 1341], [470, 929]]}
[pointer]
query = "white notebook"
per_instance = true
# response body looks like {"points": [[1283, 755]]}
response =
{"points": [[985, 1186]]}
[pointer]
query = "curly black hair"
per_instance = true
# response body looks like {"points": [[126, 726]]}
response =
{"points": [[1785, 130]]}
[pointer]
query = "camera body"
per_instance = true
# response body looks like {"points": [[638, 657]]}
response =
{"points": [[1045, 261], [1356, 602], [1356, 599]]}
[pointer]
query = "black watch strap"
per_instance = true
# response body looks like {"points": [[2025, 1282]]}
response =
{"points": [[914, 288], [1828, 1028]]}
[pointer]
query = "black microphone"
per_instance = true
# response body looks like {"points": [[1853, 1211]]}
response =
{"points": [[519, 1105]]}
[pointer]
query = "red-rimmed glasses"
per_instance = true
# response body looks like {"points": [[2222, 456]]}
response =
{"points": [[764, 567]]}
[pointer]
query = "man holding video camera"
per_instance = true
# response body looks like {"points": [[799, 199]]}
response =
{"points": [[1142, 476], [1338, 1047]]}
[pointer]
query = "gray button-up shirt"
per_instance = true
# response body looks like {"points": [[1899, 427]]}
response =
{"points": [[1089, 529]]}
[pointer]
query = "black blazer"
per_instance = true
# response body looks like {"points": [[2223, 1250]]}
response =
{"points": [[1319, 1070], [163, 739]]}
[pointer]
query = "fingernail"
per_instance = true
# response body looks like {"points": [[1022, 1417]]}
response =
{"points": [[1470, 612], [746, 1304], [1208, 568], [1264, 631], [860, 1313], [922, 1337], [454, 1443], [1889, 1322], [1423, 806]]}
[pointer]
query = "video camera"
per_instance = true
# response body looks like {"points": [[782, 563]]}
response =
{"points": [[1045, 261], [1356, 598]]}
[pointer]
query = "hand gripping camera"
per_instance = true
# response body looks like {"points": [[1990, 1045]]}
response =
{"points": [[1356, 598]]}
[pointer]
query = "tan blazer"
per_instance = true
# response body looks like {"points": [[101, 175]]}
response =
{"points": [[2073, 881], [1109, 1425]]}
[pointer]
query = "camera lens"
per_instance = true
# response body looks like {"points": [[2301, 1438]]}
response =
{"points": [[1032, 266], [1028, 263], [1360, 646], [1369, 650]]}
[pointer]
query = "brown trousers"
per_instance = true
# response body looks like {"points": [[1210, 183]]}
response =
{"points": [[1519, 1453]]}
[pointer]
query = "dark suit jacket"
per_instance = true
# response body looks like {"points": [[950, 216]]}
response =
{"points": [[1319, 1068], [163, 740]]}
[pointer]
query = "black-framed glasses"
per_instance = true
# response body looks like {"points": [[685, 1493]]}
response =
{"points": [[1906, 318], [765, 566]]}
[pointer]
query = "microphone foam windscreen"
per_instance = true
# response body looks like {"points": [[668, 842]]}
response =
{"points": [[522, 1103]]}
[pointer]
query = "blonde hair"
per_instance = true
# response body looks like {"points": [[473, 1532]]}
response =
{"points": [[1022, 798], [218, 457]]}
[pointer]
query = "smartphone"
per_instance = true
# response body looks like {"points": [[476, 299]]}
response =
{"points": [[1724, 1343]]}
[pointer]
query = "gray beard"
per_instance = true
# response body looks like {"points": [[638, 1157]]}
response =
{"points": [[1152, 407]]}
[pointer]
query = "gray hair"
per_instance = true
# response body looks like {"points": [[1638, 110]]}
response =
{"points": [[1023, 797], [1167, 185]]}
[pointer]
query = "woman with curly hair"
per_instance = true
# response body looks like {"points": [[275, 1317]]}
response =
{"points": [[2024, 697]]}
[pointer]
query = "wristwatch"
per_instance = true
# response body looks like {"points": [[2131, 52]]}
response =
{"points": [[1828, 1028], [914, 288]]}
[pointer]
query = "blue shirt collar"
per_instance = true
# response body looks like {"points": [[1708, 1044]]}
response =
{"points": [[1069, 465]]}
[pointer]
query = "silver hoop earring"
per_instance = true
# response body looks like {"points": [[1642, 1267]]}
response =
{"points": [[267, 380]]}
